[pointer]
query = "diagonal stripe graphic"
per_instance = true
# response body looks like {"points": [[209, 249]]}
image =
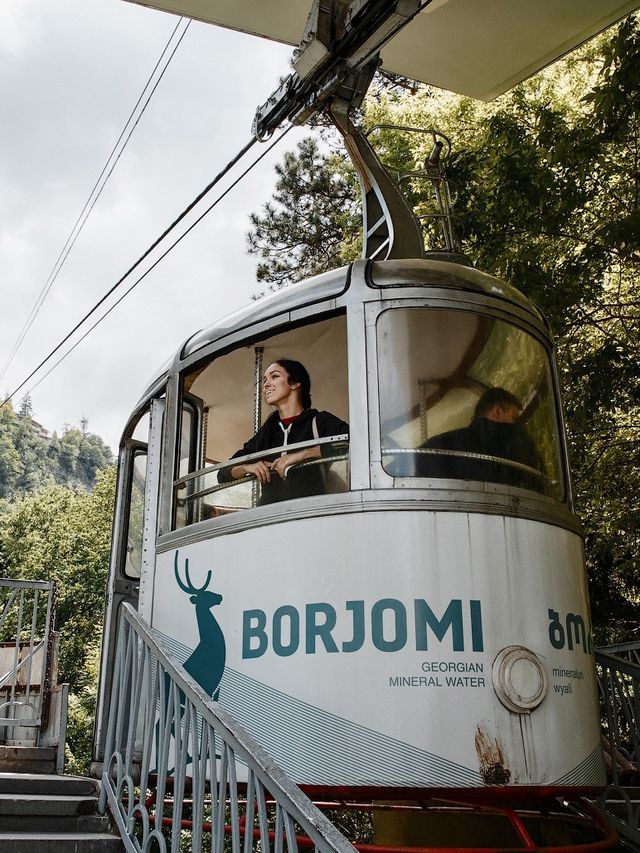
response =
{"points": [[317, 747]]}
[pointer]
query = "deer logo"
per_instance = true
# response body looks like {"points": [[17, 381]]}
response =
{"points": [[206, 663]]}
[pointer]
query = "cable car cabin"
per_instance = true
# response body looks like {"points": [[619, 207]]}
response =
{"points": [[411, 611]]}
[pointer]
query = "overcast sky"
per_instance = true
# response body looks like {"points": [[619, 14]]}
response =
{"points": [[70, 73]]}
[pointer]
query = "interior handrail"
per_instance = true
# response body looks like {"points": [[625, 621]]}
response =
{"points": [[252, 457], [306, 463], [466, 454]]}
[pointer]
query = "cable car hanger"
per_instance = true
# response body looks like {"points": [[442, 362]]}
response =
{"points": [[339, 38], [333, 69]]}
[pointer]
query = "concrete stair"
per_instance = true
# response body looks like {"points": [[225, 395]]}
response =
{"points": [[27, 759], [52, 814]]}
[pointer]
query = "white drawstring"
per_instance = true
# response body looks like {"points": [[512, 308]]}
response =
{"points": [[285, 430]]}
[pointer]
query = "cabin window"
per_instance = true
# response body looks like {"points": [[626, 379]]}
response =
{"points": [[135, 520], [228, 407], [467, 396], [135, 466]]}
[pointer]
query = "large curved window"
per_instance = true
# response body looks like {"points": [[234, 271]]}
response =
{"points": [[466, 396], [231, 428]]}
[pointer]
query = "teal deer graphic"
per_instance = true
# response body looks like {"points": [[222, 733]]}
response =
{"points": [[206, 663]]}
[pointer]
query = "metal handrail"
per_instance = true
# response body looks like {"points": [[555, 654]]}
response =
{"points": [[248, 478], [631, 650], [13, 583], [260, 454], [25, 604], [465, 454], [162, 724], [619, 682]]}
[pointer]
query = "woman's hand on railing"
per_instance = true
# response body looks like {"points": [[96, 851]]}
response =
{"points": [[282, 464], [261, 470]]}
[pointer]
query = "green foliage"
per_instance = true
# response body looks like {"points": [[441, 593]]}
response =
{"points": [[81, 715], [547, 186], [313, 211], [29, 462], [64, 533]]}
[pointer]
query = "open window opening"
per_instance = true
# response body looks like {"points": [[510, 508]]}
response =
{"points": [[228, 426], [136, 471], [467, 396]]}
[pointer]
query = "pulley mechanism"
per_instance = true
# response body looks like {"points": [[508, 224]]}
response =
{"points": [[339, 38]]}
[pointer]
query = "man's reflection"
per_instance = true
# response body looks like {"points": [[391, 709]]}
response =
{"points": [[495, 432]]}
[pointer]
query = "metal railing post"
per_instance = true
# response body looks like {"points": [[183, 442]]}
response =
{"points": [[25, 706]]}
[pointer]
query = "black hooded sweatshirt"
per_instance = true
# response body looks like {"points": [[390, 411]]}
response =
{"points": [[299, 482]]}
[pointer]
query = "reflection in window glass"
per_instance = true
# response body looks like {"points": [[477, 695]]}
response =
{"points": [[188, 438], [466, 396], [135, 524], [229, 395], [141, 431]]}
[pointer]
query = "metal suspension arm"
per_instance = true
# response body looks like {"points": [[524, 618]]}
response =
{"points": [[390, 228], [334, 66]]}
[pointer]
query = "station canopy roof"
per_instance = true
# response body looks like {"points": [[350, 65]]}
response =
{"points": [[479, 48]]}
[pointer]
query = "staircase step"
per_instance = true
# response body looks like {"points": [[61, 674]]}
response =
{"points": [[27, 759], [53, 814], [10, 753], [36, 804], [47, 784], [64, 842], [54, 824]]}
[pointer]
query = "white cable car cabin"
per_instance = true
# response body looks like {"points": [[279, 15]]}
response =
{"points": [[415, 623]]}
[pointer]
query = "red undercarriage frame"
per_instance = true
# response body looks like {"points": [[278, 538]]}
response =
{"points": [[549, 819]]}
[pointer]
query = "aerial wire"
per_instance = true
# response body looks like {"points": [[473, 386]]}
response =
{"points": [[98, 187], [164, 234]]}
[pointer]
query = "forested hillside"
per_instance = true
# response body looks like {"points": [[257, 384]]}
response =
{"points": [[30, 460], [547, 187], [56, 507]]}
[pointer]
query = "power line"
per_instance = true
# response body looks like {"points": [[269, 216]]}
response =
{"points": [[99, 185], [165, 233]]}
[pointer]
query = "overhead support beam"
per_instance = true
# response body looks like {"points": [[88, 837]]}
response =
{"points": [[315, 44], [479, 48]]}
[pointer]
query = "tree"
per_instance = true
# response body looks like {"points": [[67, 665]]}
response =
{"points": [[65, 534], [9, 457], [70, 451], [28, 461], [314, 210], [26, 407], [547, 180], [93, 456]]}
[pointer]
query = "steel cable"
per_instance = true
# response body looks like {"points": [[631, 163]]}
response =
{"points": [[96, 191], [164, 234]]}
